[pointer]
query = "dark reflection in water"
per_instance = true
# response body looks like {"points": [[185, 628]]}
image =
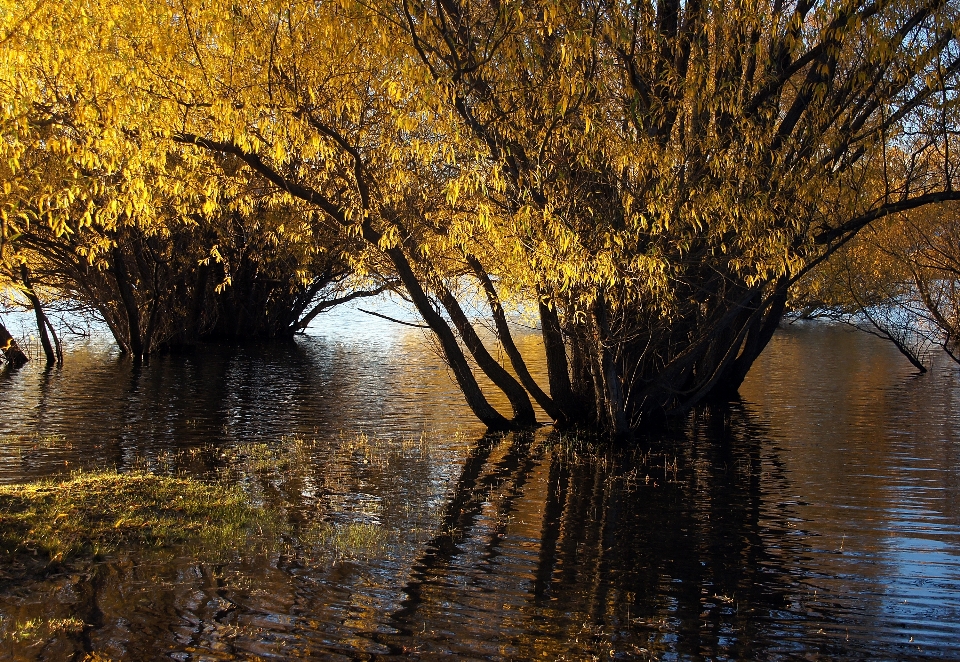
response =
{"points": [[817, 519]]}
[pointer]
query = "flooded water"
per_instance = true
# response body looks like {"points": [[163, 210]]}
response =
{"points": [[819, 518]]}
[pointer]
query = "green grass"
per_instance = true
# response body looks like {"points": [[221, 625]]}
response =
{"points": [[96, 513]]}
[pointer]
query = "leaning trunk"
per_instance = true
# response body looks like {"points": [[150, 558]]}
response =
{"points": [[509, 346], [757, 339], [42, 322], [448, 341], [523, 414]]}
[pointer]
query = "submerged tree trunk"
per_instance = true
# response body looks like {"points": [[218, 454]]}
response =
{"points": [[523, 413], [625, 371], [448, 341], [53, 353], [558, 375], [11, 350], [758, 337], [122, 276], [509, 346]]}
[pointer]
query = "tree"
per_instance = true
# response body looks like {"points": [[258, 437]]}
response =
{"points": [[899, 280], [670, 169], [167, 248]]}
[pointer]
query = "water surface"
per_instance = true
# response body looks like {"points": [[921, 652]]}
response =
{"points": [[819, 518]]}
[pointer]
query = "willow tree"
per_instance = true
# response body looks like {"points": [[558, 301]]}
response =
{"points": [[669, 169], [100, 206], [237, 269]]}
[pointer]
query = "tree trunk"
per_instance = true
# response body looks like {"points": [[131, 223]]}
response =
{"points": [[523, 414], [129, 302], [56, 340], [42, 321], [451, 349], [558, 371], [197, 305], [757, 340], [506, 339], [613, 384], [11, 350], [583, 392]]}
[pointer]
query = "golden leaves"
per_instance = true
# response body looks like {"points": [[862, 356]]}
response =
{"points": [[598, 162]]}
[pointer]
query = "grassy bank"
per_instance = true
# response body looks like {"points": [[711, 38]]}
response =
{"points": [[95, 513]]}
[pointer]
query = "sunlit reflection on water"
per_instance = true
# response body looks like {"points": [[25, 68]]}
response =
{"points": [[818, 518]]}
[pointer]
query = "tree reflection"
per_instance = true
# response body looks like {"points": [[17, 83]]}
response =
{"points": [[667, 546]]}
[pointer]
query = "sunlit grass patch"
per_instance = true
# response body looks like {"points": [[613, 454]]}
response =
{"points": [[355, 540], [261, 458], [26, 447], [36, 629], [102, 511]]}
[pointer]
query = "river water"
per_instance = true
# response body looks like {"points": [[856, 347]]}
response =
{"points": [[818, 518]]}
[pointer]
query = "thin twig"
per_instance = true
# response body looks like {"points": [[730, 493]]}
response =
{"points": [[416, 326]]}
